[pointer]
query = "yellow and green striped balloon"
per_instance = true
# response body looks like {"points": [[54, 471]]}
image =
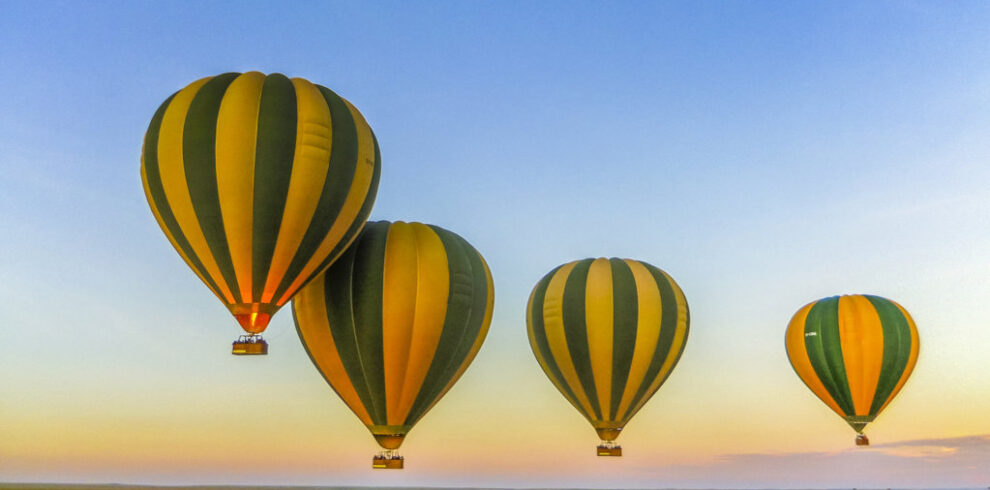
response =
{"points": [[608, 333], [396, 321], [259, 182], [854, 352]]}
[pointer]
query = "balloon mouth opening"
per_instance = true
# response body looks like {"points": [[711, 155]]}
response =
{"points": [[858, 422], [390, 442], [253, 323], [608, 434], [253, 317]]}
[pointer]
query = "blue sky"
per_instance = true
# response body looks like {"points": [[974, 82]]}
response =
{"points": [[764, 154]]}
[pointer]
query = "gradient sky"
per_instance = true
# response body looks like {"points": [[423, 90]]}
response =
{"points": [[765, 154]]}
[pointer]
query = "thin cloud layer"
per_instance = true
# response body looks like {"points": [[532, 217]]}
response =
{"points": [[929, 463]]}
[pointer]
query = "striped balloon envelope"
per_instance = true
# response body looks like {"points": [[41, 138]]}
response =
{"points": [[854, 352], [259, 182], [608, 333], [395, 322]]}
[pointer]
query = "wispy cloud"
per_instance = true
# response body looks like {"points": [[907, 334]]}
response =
{"points": [[946, 462]]}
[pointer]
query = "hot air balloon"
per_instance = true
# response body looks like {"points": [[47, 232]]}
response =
{"points": [[394, 323], [259, 182], [608, 333], [854, 353]]}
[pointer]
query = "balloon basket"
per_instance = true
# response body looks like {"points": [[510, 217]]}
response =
{"points": [[862, 440], [609, 448], [250, 345], [387, 460]]}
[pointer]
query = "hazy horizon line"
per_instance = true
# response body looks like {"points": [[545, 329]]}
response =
{"points": [[119, 486]]}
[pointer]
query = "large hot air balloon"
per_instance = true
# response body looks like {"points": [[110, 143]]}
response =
{"points": [[607, 333], [259, 182], [394, 323], [854, 352]]}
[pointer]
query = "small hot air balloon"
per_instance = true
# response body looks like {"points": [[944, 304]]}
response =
{"points": [[854, 353], [259, 182], [394, 323], [608, 333]]}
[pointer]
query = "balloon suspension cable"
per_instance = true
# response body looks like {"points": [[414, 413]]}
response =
{"points": [[388, 459]]}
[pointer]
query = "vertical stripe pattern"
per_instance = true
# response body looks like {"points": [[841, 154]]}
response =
{"points": [[854, 352], [259, 182], [607, 332], [394, 322]]}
